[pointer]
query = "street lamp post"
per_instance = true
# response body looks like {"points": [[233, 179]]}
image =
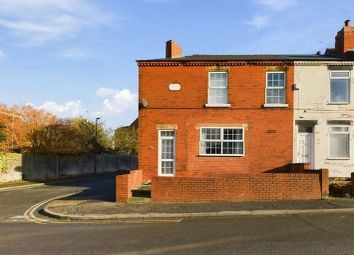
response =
{"points": [[96, 144]]}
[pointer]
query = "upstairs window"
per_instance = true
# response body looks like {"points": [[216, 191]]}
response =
{"points": [[339, 87], [339, 142], [222, 141], [217, 93], [275, 88]]}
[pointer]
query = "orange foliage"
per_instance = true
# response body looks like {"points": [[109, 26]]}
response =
{"points": [[19, 123]]}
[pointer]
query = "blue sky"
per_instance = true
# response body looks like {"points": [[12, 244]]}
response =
{"points": [[77, 57]]}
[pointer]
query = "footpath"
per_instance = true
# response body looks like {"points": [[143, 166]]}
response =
{"points": [[86, 209]]}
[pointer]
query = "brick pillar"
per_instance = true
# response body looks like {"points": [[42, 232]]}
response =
{"points": [[122, 188], [324, 179], [352, 184]]}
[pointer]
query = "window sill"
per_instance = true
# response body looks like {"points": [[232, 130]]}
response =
{"points": [[219, 155], [275, 105], [218, 105], [338, 158], [338, 103]]}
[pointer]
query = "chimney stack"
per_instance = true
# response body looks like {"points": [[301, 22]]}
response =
{"points": [[173, 50], [345, 39]]}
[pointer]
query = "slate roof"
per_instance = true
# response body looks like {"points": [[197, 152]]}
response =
{"points": [[265, 57]]}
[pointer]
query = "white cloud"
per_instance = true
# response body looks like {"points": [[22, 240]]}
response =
{"points": [[68, 109], [277, 4], [40, 21], [117, 101], [258, 21]]}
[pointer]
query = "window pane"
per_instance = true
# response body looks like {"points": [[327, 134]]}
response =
{"points": [[218, 80], [167, 167], [275, 96], [340, 129], [276, 80], [340, 74], [167, 148], [232, 134], [339, 145], [167, 133], [234, 148], [217, 96], [211, 147], [217, 88], [339, 90], [211, 134]]}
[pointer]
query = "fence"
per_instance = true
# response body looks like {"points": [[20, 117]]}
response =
{"points": [[40, 167]]}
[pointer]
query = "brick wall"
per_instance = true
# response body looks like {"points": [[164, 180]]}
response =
{"points": [[268, 144], [126, 182], [242, 187]]}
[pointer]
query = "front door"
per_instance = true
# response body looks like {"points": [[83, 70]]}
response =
{"points": [[166, 158], [305, 145]]}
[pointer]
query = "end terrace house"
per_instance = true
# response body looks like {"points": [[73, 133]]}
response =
{"points": [[209, 115]]}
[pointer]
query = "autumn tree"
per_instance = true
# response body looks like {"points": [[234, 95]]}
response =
{"points": [[2, 136], [19, 121], [71, 136], [126, 139]]}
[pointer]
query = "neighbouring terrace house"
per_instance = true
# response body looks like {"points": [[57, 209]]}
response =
{"points": [[242, 127], [324, 108]]}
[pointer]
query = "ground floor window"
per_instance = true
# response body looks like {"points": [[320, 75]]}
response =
{"points": [[339, 142], [222, 141]]}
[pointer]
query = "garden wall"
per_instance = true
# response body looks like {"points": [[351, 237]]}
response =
{"points": [[311, 184]]}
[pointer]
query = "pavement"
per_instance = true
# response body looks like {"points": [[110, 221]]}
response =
{"points": [[82, 207]]}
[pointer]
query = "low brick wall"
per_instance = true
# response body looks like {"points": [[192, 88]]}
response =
{"points": [[242, 187], [126, 182]]}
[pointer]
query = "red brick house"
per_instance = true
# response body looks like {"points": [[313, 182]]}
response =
{"points": [[214, 124], [209, 115]]}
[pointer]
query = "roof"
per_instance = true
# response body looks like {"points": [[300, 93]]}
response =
{"points": [[265, 57]]}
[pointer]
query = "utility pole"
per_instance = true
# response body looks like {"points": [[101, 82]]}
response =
{"points": [[96, 145]]}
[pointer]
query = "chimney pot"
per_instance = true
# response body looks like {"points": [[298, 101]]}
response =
{"points": [[347, 23]]}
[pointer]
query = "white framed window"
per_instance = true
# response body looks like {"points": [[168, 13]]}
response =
{"points": [[166, 153], [221, 141], [339, 142], [275, 88], [339, 87], [217, 88]]}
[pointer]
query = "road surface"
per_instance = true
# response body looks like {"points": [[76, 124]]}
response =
{"points": [[304, 234]]}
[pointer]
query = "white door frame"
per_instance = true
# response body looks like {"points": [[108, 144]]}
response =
{"points": [[159, 161], [311, 158]]}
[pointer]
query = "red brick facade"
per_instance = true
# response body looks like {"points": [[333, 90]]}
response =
{"points": [[268, 131]]}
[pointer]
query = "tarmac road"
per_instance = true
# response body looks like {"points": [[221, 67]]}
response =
{"points": [[300, 234]]}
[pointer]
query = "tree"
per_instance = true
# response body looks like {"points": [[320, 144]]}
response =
{"points": [[2, 136], [126, 139], [72, 136], [19, 121]]}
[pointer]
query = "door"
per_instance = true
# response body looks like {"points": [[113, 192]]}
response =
{"points": [[305, 145], [166, 157]]}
